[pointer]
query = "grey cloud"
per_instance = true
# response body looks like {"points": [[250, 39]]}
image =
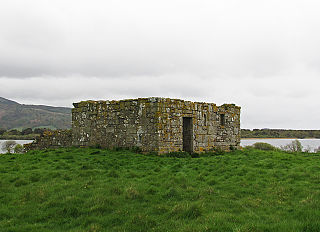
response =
{"points": [[120, 39], [262, 55]]}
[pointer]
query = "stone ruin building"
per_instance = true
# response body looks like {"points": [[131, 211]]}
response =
{"points": [[158, 125]]}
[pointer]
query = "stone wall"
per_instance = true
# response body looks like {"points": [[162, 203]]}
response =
{"points": [[111, 124], [51, 139], [155, 124], [210, 130]]}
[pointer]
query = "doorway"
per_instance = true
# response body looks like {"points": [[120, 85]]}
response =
{"points": [[187, 134]]}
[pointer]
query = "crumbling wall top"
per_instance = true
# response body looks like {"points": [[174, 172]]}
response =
{"points": [[150, 100]]}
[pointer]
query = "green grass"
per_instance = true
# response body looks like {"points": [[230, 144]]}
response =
{"points": [[100, 190]]}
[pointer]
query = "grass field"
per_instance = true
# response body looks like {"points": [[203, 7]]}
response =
{"points": [[100, 190]]}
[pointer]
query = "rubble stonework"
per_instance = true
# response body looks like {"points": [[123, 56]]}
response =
{"points": [[51, 139], [156, 124]]}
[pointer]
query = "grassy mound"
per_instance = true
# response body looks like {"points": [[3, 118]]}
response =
{"points": [[100, 190]]}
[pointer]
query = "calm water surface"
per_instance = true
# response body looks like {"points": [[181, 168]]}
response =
{"points": [[309, 144]]}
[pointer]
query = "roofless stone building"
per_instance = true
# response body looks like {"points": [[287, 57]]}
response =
{"points": [[153, 124], [156, 124]]}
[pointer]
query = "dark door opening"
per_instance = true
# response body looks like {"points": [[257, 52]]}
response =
{"points": [[187, 135]]}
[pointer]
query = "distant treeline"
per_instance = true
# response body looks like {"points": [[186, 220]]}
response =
{"points": [[27, 133], [279, 133]]}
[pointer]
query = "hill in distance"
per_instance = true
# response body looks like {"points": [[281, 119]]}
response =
{"points": [[20, 116]]}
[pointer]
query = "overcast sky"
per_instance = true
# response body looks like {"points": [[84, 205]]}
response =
{"points": [[261, 55]]}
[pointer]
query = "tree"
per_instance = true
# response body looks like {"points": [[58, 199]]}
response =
{"points": [[39, 131], [27, 131], [9, 145], [14, 132], [2, 131], [294, 146]]}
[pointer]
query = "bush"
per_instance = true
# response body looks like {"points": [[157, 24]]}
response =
{"points": [[294, 146], [18, 148], [263, 146], [9, 145]]}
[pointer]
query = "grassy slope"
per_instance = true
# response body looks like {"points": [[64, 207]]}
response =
{"points": [[99, 190], [15, 115]]}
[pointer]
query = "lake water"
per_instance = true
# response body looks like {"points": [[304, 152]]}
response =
{"points": [[17, 141], [309, 144]]}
